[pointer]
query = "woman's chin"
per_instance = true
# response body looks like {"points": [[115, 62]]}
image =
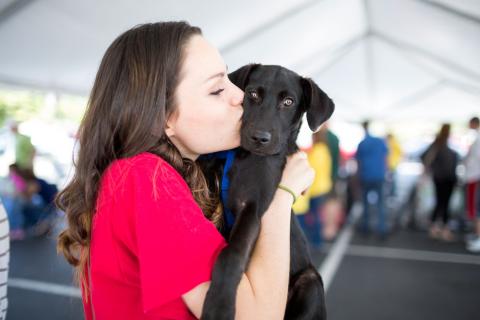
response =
{"points": [[236, 144]]}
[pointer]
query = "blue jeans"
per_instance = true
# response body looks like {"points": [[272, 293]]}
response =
{"points": [[35, 211], [24, 214], [391, 183], [374, 190], [311, 222], [14, 207]]}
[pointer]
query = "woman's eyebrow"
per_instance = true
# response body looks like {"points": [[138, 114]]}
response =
{"points": [[217, 75]]}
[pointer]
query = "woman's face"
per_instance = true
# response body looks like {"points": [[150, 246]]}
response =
{"points": [[209, 106]]}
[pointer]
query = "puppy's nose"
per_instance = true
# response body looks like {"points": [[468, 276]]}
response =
{"points": [[262, 137]]}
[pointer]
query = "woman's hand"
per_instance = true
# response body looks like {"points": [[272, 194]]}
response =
{"points": [[297, 175]]}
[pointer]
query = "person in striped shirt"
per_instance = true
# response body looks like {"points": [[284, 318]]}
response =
{"points": [[4, 259]]}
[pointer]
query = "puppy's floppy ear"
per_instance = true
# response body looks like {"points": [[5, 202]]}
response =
{"points": [[318, 105], [240, 76]]}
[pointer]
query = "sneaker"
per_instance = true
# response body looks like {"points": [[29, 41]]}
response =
{"points": [[470, 237], [474, 246]]}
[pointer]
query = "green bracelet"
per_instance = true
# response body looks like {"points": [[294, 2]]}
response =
{"points": [[289, 191]]}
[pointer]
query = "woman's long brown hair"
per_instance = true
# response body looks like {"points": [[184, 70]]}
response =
{"points": [[442, 137], [131, 99]]}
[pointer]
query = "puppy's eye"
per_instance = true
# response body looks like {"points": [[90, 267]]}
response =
{"points": [[254, 94], [287, 102]]}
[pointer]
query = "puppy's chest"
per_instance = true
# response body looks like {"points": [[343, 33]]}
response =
{"points": [[256, 173]]}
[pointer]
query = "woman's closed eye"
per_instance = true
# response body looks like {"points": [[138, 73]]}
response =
{"points": [[217, 92]]}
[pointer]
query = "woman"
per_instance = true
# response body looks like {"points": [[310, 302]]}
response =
{"points": [[441, 162], [141, 219]]}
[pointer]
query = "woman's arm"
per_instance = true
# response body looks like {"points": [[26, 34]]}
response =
{"points": [[262, 292]]}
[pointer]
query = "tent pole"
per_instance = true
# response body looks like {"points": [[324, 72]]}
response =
{"points": [[451, 10], [370, 73], [370, 60], [13, 8]]}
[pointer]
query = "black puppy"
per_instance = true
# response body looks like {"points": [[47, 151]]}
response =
{"points": [[274, 104]]}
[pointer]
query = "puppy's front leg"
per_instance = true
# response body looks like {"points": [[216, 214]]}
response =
{"points": [[230, 265]]}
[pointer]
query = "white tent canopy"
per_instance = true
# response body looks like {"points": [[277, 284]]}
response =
{"points": [[375, 58]]}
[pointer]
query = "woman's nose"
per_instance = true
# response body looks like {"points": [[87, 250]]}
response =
{"points": [[237, 96]]}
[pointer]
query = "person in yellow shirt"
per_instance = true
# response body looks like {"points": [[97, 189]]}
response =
{"points": [[395, 154], [308, 207]]}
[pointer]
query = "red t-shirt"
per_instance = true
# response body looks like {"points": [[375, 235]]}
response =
{"points": [[150, 243]]}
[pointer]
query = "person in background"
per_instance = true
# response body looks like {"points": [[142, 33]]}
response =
{"points": [[472, 175], [395, 154], [371, 157], [441, 161], [321, 162], [334, 149], [14, 202], [39, 203], [4, 261], [28, 203], [24, 149], [332, 213]]}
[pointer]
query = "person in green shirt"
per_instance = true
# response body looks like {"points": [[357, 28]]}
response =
{"points": [[24, 149], [334, 148]]}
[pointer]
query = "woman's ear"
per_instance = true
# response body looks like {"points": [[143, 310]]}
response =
{"points": [[160, 129], [169, 132], [170, 124], [169, 128], [318, 105]]}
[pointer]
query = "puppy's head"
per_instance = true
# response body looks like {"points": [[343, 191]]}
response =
{"points": [[275, 101]]}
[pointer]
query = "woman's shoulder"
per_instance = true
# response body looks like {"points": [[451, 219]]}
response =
{"points": [[143, 158], [144, 162], [140, 169]]}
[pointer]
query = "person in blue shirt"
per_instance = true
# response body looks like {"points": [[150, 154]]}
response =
{"points": [[371, 157]]}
